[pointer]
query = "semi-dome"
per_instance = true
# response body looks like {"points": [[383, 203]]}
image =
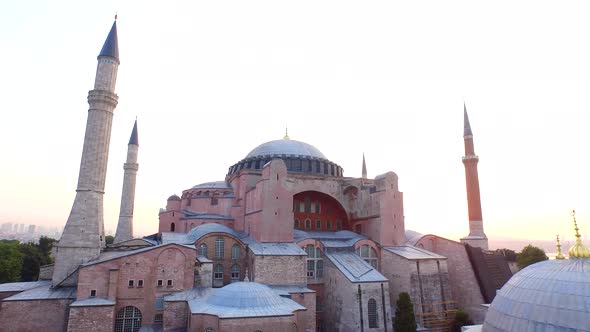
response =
{"points": [[299, 157], [547, 296], [286, 147]]}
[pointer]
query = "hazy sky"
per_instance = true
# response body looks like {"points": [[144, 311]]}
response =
{"points": [[211, 80]]}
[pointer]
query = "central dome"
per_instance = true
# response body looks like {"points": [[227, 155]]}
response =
{"points": [[286, 147]]}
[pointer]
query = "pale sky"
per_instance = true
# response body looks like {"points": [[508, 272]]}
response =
{"points": [[211, 80]]}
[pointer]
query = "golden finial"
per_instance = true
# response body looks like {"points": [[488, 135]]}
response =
{"points": [[286, 133], [578, 250], [559, 254]]}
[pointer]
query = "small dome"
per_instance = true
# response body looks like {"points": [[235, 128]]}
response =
{"points": [[548, 296], [213, 185], [246, 295], [286, 147], [174, 198]]}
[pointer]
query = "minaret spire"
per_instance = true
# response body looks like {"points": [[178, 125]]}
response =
{"points": [[476, 237], [559, 254], [125, 224], [578, 250], [364, 176], [83, 235]]}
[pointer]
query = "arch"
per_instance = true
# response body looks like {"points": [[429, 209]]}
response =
{"points": [[316, 205], [372, 311], [172, 227], [128, 319]]}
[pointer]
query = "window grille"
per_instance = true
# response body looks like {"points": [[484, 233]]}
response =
{"points": [[160, 282], [128, 319], [368, 254], [307, 224], [235, 251], [235, 272], [372, 310], [130, 284], [219, 243], [315, 264], [218, 272]]}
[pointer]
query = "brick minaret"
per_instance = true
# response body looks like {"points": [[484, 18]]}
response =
{"points": [[83, 235], [364, 174], [125, 225], [476, 237]]}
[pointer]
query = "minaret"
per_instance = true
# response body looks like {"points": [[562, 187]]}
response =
{"points": [[83, 235], [125, 225], [364, 176], [476, 237]]}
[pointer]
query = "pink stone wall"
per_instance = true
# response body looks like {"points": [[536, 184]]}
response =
{"points": [[34, 315], [390, 229], [305, 319], [175, 315], [279, 270], [91, 319], [171, 262]]}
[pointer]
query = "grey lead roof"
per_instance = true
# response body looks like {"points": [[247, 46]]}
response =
{"points": [[551, 295], [111, 44], [22, 286], [286, 147], [44, 292], [134, 139], [354, 267], [92, 302], [276, 249], [244, 299], [466, 124], [213, 185], [411, 252], [300, 235]]}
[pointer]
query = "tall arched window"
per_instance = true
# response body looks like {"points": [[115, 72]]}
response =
{"points": [[235, 251], [128, 320], [372, 310], [235, 273], [172, 227], [307, 224], [315, 264], [219, 243], [368, 254], [218, 272], [203, 250]]}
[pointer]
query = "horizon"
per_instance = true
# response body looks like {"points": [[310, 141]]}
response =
{"points": [[210, 82]]}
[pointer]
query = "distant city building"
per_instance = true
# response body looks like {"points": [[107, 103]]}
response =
{"points": [[285, 242]]}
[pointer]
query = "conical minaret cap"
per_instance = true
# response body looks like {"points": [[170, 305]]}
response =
{"points": [[111, 45], [134, 139], [578, 250], [466, 125]]}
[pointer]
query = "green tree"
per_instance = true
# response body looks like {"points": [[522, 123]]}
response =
{"points": [[45, 246], [508, 254], [461, 319], [109, 239], [404, 321], [11, 261], [32, 260], [530, 255]]}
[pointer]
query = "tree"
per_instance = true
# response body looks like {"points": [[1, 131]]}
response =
{"points": [[45, 246], [530, 255], [11, 261], [404, 321], [32, 260], [109, 239], [508, 254], [461, 319]]}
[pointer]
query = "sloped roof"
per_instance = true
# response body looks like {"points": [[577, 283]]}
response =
{"points": [[92, 302], [413, 253], [354, 267], [44, 292], [276, 249], [22, 286]]}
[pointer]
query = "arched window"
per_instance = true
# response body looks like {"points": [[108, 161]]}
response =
{"points": [[315, 264], [235, 273], [372, 310], [219, 243], [297, 224], [368, 254], [172, 227], [203, 250], [318, 224], [218, 272], [128, 320], [235, 251], [307, 224]]}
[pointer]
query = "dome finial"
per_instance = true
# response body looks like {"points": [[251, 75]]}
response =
{"points": [[559, 254], [578, 250], [286, 132]]}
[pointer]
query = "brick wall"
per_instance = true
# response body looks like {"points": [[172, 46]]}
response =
{"points": [[175, 315], [34, 315], [227, 261], [280, 270], [91, 319]]}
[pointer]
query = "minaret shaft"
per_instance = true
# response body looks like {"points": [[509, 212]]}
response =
{"points": [[476, 237], [83, 235], [125, 224]]}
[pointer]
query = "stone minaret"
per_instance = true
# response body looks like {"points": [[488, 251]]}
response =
{"points": [[476, 237], [83, 235], [125, 225], [364, 176]]}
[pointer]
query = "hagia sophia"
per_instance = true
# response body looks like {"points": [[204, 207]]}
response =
{"points": [[285, 242]]}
